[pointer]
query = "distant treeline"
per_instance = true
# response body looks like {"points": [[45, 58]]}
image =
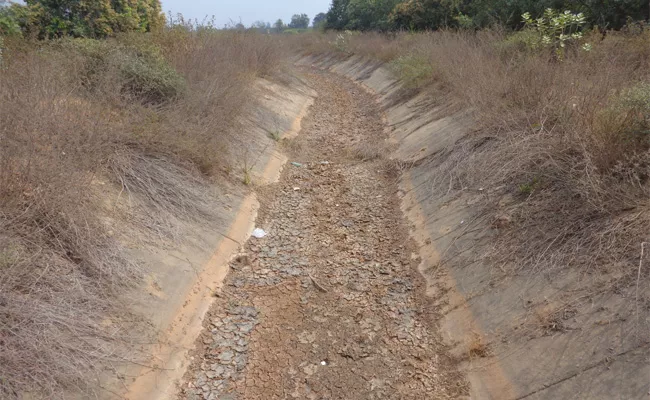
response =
{"points": [[387, 15]]}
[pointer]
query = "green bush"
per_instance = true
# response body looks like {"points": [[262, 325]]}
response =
{"points": [[92, 18], [519, 41], [415, 71], [10, 17], [151, 79], [634, 103], [142, 70], [554, 30]]}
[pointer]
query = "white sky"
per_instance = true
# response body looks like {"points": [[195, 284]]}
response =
{"points": [[248, 10]]}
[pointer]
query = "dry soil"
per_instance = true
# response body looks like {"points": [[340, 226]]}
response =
{"points": [[330, 304]]}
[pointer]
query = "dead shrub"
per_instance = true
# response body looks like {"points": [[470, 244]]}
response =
{"points": [[477, 347], [59, 269], [369, 151]]}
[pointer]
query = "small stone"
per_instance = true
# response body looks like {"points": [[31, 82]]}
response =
{"points": [[246, 327], [238, 283], [240, 362], [292, 271], [218, 369], [226, 356], [246, 311]]}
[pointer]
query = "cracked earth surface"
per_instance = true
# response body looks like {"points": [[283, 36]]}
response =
{"points": [[329, 305]]}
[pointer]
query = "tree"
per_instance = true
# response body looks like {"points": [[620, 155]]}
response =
{"points": [[11, 16], [384, 15], [337, 16], [299, 21], [366, 15], [261, 26], [94, 18], [420, 15], [611, 14], [319, 20], [279, 26]]}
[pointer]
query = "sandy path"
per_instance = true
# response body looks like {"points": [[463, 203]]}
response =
{"points": [[330, 304]]}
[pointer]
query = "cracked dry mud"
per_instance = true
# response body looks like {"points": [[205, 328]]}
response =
{"points": [[330, 304]]}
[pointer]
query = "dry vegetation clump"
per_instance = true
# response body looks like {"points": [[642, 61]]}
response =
{"points": [[561, 146], [154, 114], [567, 141]]}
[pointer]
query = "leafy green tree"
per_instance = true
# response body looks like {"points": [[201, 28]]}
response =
{"points": [[11, 16], [366, 15], [93, 18], [279, 26], [337, 16], [421, 15], [299, 21], [319, 20], [433, 14], [611, 14]]}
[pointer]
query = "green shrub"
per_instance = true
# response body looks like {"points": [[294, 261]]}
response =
{"points": [[527, 188], [150, 78], [342, 41], [465, 21], [10, 20], [634, 103], [92, 18], [142, 70], [519, 41], [554, 30], [414, 70]]}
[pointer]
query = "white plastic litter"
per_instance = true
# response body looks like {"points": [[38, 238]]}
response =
{"points": [[259, 233], [323, 363]]}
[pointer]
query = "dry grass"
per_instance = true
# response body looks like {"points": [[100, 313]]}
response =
{"points": [[157, 117], [559, 130], [477, 347], [369, 151], [560, 148]]}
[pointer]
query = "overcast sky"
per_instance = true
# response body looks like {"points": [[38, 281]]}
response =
{"points": [[248, 11]]}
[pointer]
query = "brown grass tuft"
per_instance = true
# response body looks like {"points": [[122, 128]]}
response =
{"points": [[477, 347]]}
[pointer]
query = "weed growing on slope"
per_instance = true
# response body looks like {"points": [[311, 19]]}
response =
{"points": [[275, 135], [415, 71]]}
